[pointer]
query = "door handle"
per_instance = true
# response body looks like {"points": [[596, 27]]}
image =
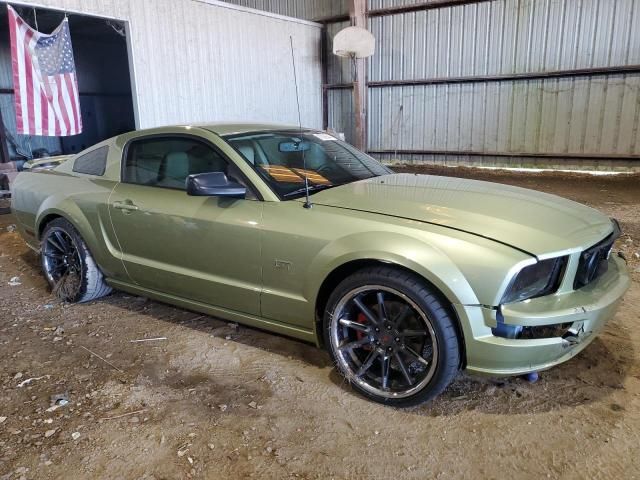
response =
{"points": [[125, 206]]}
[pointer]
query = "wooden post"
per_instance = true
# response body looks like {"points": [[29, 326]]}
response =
{"points": [[358, 16], [4, 149]]}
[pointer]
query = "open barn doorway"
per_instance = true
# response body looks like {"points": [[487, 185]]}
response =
{"points": [[104, 83]]}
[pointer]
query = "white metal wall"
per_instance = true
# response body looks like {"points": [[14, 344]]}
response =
{"points": [[203, 60]]}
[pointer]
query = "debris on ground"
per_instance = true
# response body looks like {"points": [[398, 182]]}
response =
{"points": [[75, 435], [14, 282], [156, 339], [124, 415], [59, 400], [29, 380], [105, 361]]}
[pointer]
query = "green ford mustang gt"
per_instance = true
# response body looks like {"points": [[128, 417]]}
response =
{"points": [[405, 279]]}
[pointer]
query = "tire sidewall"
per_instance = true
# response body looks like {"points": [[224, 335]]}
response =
{"points": [[434, 315]]}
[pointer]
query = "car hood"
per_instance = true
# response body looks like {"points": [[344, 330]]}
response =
{"points": [[535, 222]]}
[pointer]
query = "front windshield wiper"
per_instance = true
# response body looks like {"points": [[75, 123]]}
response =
{"points": [[312, 189]]}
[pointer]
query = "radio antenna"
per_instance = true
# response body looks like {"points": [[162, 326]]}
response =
{"points": [[307, 203]]}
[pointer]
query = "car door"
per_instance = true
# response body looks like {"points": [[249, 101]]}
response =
{"points": [[205, 249]]}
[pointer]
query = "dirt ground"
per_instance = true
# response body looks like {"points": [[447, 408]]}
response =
{"points": [[216, 401]]}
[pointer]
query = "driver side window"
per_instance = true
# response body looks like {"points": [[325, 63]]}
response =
{"points": [[166, 162]]}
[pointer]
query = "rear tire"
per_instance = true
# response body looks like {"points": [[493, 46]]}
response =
{"points": [[391, 336], [68, 265]]}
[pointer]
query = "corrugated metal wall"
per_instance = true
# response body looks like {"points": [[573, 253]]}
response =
{"points": [[455, 111], [199, 61], [305, 9], [582, 115]]}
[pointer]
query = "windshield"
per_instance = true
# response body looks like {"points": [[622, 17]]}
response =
{"points": [[285, 158]]}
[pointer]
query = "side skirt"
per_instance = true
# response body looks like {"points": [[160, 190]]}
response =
{"points": [[222, 313]]}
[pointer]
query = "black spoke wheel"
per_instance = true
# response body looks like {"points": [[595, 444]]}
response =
{"points": [[391, 337], [61, 262], [68, 266]]}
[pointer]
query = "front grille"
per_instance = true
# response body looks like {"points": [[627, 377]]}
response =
{"points": [[595, 260]]}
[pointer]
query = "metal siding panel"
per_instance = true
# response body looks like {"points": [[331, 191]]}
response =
{"points": [[573, 115], [304, 9], [507, 36], [629, 116], [341, 113], [578, 114]]}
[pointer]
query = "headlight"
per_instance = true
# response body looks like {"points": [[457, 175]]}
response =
{"points": [[542, 278]]}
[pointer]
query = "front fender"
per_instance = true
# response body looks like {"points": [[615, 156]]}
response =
{"points": [[427, 261], [467, 269]]}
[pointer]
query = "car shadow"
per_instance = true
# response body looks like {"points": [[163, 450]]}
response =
{"points": [[254, 337], [590, 377]]}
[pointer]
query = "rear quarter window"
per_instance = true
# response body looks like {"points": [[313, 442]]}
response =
{"points": [[92, 163]]}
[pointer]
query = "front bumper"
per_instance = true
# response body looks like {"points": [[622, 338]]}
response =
{"points": [[587, 309]]}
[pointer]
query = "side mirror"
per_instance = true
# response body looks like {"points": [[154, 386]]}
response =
{"points": [[213, 184]]}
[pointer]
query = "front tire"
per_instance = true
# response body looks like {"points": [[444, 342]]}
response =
{"points": [[68, 265], [391, 337]]}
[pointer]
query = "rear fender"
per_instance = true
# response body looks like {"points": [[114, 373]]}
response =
{"points": [[59, 205]]}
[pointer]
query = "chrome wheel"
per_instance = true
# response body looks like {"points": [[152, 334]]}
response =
{"points": [[383, 341], [62, 263]]}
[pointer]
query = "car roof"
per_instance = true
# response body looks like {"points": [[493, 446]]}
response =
{"points": [[224, 128], [221, 129]]}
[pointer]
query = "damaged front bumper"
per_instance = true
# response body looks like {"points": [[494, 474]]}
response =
{"points": [[549, 330]]}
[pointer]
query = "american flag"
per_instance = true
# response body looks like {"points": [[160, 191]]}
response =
{"points": [[44, 80]]}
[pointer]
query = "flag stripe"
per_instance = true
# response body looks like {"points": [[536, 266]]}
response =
{"points": [[18, 79], [31, 76], [63, 99], [70, 79], [60, 126], [44, 112]]}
